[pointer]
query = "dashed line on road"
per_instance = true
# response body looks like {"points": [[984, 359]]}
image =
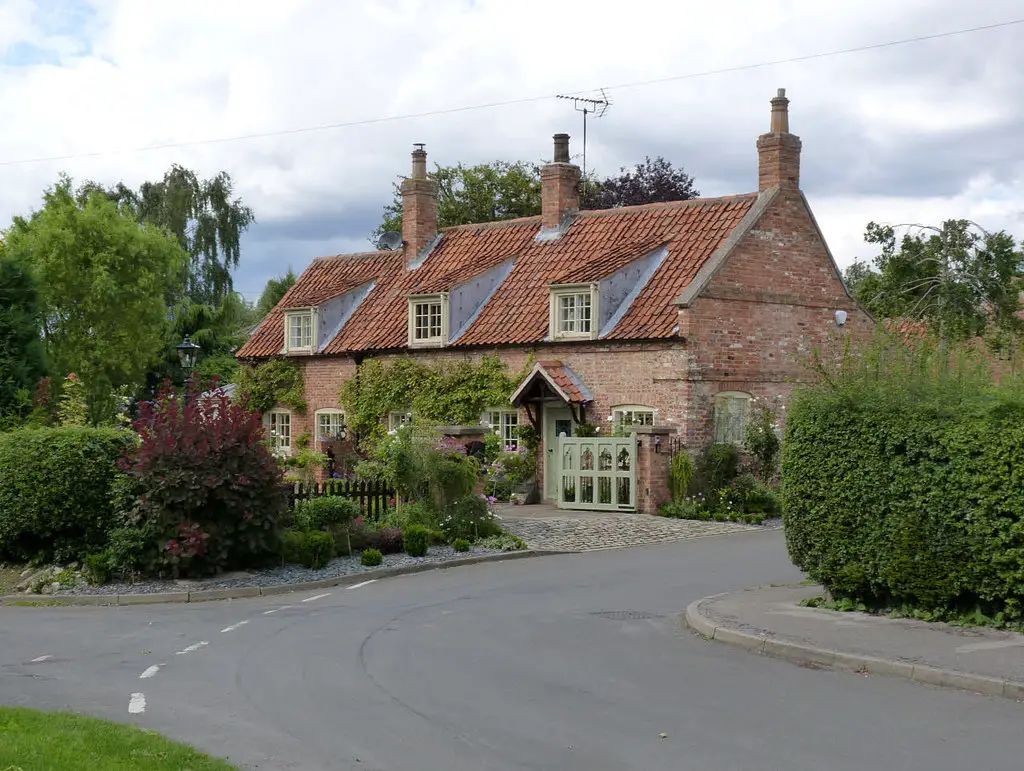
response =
{"points": [[317, 597], [283, 607], [39, 659], [137, 704], [191, 648], [364, 583], [233, 627], [150, 672]]}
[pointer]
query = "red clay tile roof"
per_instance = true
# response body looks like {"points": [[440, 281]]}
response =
{"points": [[596, 244]]}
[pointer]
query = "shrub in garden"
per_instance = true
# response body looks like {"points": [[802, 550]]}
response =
{"points": [[717, 467], [901, 481], [681, 475], [55, 491], [416, 540], [761, 439], [371, 558], [96, 568], [309, 548], [326, 512], [205, 483], [387, 540], [470, 517], [460, 544], [503, 542]]}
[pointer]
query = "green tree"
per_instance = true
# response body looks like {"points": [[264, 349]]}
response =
{"points": [[487, 192], [21, 347], [277, 287], [959, 279], [103, 280], [203, 216]]}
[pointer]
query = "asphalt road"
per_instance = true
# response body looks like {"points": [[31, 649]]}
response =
{"points": [[560, 662]]}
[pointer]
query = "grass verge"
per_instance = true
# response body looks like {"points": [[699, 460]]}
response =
{"points": [[61, 741]]}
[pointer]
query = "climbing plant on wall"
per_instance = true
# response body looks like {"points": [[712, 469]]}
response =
{"points": [[274, 382], [447, 394]]}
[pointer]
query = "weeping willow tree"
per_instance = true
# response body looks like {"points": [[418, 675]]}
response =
{"points": [[204, 217]]}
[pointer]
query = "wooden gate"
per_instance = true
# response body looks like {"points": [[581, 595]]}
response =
{"points": [[597, 473]]}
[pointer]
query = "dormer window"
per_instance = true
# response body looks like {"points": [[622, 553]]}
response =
{"points": [[299, 329], [428, 320], [574, 312]]}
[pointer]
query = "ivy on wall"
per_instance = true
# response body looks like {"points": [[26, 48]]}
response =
{"points": [[274, 382], [454, 393]]}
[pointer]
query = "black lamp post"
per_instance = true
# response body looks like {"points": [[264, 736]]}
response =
{"points": [[188, 354]]}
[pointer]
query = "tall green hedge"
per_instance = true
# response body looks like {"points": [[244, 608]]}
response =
{"points": [[55, 490], [903, 483]]}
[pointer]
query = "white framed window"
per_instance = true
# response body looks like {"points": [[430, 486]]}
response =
{"points": [[731, 408], [574, 311], [299, 326], [626, 416], [505, 423], [398, 418], [278, 425], [330, 424], [428, 320]]}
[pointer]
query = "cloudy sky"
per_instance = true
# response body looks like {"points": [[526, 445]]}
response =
{"points": [[911, 133]]}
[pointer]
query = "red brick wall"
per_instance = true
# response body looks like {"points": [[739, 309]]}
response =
{"points": [[757, 322]]}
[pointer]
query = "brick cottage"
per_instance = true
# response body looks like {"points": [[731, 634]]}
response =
{"points": [[664, 318]]}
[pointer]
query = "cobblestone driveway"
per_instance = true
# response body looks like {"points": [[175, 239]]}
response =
{"points": [[549, 529]]}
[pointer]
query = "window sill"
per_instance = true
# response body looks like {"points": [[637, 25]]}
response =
{"points": [[434, 343]]}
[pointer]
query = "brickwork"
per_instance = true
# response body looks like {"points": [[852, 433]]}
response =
{"points": [[419, 206], [755, 325]]}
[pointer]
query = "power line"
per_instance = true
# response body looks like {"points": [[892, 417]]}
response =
{"points": [[524, 100]]}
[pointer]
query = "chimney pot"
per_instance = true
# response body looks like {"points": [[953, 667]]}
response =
{"points": [[780, 113], [419, 161], [561, 148]]}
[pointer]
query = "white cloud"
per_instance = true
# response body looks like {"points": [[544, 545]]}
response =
{"points": [[140, 74]]}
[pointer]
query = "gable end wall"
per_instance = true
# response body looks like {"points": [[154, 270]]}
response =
{"points": [[758, 319]]}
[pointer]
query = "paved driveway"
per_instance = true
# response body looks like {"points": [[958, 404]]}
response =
{"points": [[547, 528], [570, 662]]}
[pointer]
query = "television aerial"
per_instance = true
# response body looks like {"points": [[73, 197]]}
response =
{"points": [[595, 107], [390, 240]]}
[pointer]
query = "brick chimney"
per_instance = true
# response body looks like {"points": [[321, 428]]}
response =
{"points": [[778, 151], [559, 185], [419, 205]]}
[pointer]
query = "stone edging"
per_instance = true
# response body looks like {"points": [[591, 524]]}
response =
{"points": [[767, 645], [242, 592]]}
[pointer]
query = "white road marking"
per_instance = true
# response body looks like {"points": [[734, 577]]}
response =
{"points": [[233, 627], [150, 672], [137, 703], [364, 583], [41, 658], [268, 612], [317, 597], [191, 648]]}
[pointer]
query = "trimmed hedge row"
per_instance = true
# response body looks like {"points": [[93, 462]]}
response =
{"points": [[895, 496], [55, 491]]}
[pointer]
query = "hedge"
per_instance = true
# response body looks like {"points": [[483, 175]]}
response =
{"points": [[55, 491], [903, 485]]}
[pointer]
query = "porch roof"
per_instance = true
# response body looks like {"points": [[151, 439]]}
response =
{"points": [[552, 378]]}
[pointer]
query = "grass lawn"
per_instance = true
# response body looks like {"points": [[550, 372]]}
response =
{"points": [[60, 741]]}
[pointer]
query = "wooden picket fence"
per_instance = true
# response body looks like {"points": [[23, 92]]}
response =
{"points": [[373, 497]]}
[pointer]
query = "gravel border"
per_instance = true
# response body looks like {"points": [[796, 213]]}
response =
{"points": [[181, 594], [287, 574]]}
